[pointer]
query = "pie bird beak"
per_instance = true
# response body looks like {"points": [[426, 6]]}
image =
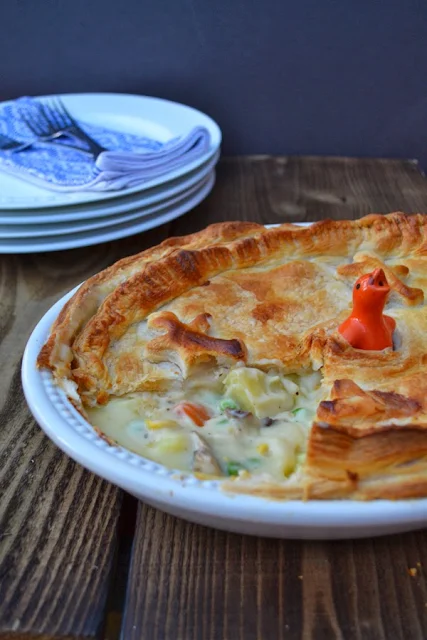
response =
{"points": [[379, 280]]}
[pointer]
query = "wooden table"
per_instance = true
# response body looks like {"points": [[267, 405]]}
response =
{"points": [[79, 559]]}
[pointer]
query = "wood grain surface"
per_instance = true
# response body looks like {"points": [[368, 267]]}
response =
{"points": [[188, 582], [57, 521], [59, 577], [279, 189]]}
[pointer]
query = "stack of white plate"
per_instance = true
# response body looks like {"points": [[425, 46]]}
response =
{"points": [[36, 219]]}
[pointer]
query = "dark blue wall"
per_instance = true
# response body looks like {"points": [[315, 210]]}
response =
{"points": [[311, 77]]}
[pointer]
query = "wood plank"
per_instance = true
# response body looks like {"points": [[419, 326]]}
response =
{"points": [[58, 522], [269, 189], [188, 581]]}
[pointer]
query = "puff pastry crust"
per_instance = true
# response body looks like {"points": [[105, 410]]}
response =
{"points": [[238, 292]]}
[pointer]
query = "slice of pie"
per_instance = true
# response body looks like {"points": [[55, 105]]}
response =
{"points": [[219, 353]]}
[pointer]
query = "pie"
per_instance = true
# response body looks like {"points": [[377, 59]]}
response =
{"points": [[219, 353]]}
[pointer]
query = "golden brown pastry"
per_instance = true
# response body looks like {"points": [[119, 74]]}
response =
{"points": [[254, 312]]}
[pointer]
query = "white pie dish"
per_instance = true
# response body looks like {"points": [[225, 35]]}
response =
{"points": [[186, 496]]}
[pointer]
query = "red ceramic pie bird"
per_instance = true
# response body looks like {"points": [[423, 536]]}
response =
{"points": [[367, 327]]}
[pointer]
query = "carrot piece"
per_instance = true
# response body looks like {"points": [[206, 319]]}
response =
{"points": [[195, 412]]}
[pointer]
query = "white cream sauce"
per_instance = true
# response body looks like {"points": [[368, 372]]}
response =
{"points": [[270, 440]]}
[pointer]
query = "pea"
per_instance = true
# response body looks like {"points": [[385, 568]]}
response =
{"points": [[233, 468], [227, 403]]}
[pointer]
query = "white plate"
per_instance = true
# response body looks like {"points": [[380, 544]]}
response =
{"points": [[107, 207], [88, 238], [184, 495], [45, 231], [152, 117]]}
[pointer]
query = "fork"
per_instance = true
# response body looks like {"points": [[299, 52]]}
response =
{"points": [[9, 144], [54, 120]]}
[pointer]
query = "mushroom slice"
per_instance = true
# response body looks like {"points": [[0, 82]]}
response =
{"points": [[203, 459]]}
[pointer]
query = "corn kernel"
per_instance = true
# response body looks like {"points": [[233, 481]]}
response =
{"points": [[205, 476], [263, 448], [289, 466], [160, 424]]}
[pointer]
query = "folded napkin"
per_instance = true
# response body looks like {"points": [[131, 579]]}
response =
{"points": [[132, 160]]}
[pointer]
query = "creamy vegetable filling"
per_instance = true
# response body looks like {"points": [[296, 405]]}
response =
{"points": [[220, 423]]}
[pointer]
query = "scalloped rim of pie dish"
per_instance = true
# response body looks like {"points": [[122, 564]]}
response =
{"points": [[185, 495]]}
